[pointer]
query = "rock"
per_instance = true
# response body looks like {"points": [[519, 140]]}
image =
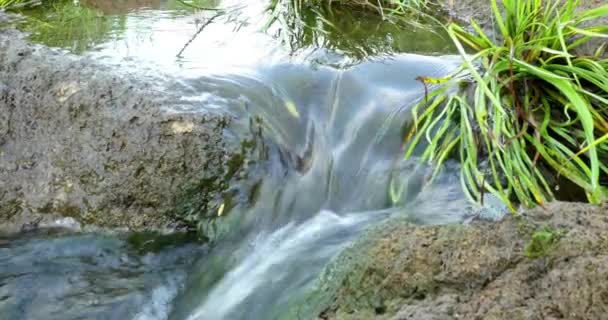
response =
{"points": [[478, 271], [82, 140]]}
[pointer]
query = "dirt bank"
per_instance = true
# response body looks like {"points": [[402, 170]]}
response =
{"points": [[80, 140], [551, 264]]}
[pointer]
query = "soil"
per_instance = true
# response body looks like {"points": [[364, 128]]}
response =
{"points": [[479, 271], [85, 141]]}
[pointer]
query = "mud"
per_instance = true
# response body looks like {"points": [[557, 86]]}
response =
{"points": [[86, 141], [480, 271]]}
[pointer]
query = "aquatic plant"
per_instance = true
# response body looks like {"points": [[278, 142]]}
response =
{"points": [[526, 109]]}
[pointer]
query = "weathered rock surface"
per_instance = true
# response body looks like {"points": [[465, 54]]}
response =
{"points": [[480, 271], [79, 140]]}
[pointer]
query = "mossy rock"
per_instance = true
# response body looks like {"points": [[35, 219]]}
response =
{"points": [[482, 270]]}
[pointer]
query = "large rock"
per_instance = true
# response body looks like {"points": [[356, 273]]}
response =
{"points": [[549, 264], [79, 140]]}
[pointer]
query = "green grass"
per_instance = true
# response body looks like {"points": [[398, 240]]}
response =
{"points": [[525, 110], [10, 3], [19, 4]]}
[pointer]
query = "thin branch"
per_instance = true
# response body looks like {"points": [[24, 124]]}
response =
{"points": [[200, 29]]}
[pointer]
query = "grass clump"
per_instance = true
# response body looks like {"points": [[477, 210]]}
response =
{"points": [[524, 110]]}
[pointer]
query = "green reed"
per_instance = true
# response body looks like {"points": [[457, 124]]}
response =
{"points": [[525, 109]]}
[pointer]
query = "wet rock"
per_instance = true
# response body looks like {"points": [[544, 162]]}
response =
{"points": [[81, 140], [478, 271]]}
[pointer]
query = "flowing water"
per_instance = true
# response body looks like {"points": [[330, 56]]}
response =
{"points": [[332, 107]]}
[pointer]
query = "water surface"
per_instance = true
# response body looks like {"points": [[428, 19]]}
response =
{"points": [[156, 31], [63, 275]]}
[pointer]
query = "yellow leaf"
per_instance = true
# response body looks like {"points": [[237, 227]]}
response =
{"points": [[220, 210], [291, 107]]}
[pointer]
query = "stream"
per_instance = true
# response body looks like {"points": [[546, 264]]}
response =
{"points": [[332, 106]]}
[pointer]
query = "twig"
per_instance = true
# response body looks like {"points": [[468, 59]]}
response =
{"points": [[200, 29]]}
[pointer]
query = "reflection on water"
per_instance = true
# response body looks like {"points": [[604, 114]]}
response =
{"points": [[118, 7], [358, 34], [154, 31], [68, 25], [92, 25]]}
